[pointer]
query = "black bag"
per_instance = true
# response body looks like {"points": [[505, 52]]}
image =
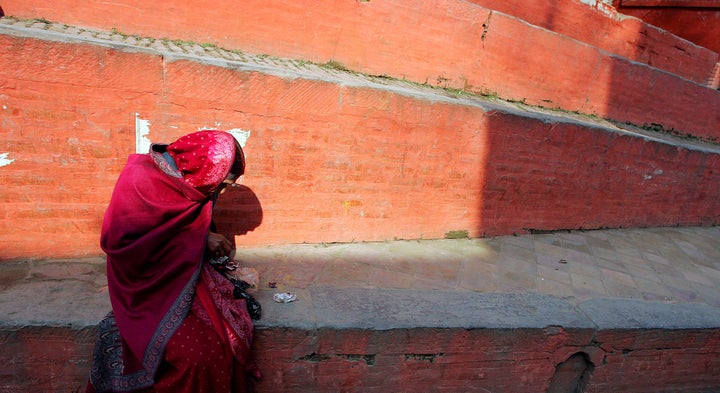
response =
{"points": [[253, 306]]}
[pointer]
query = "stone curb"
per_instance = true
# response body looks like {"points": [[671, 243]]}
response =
{"points": [[79, 303]]}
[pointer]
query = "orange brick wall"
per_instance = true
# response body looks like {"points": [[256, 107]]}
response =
{"points": [[695, 23], [408, 360], [549, 176], [326, 162], [604, 28], [448, 43], [480, 360]]}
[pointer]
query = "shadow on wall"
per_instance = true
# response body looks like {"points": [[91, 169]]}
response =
{"points": [[572, 375], [237, 212], [584, 181]]}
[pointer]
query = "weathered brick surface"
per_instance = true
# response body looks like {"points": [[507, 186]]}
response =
{"points": [[652, 361], [408, 360], [700, 25], [328, 161], [591, 69], [479, 360], [631, 38], [68, 129], [354, 335], [45, 359], [593, 177]]}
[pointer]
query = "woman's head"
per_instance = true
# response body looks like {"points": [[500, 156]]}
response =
{"points": [[207, 158]]}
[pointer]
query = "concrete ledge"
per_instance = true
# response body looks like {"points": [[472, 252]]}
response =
{"points": [[53, 293], [346, 335], [393, 340], [387, 309], [608, 314]]}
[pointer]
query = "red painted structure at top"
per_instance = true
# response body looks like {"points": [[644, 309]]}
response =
{"points": [[333, 163], [484, 46], [697, 21]]}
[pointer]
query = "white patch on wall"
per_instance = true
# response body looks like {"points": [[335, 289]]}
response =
{"points": [[656, 172], [604, 6], [143, 142], [142, 130], [596, 2], [4, 160], [240, 135]]}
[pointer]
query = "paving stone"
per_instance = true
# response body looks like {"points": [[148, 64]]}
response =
{"points": [[41, 292]]}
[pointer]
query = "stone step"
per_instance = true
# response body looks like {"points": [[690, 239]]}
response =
{"points": [[444, 315], [364, 158], [601, 26], [562, 55]]}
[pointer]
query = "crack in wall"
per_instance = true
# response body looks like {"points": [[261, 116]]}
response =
{"points": [[486, 27], [369, 359], [423, 357]]}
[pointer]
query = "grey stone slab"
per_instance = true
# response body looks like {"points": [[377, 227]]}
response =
{"points": [[635, 314], [383, 309], [297, 314], [376, 286], [53, 303]]}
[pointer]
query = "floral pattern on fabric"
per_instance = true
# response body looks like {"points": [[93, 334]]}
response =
{"points": [[233, 311], [156, 152], [204, 158], [108, 373]]}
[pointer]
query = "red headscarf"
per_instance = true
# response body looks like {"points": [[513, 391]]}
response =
{"points": [[205, 158], [154, 234]]}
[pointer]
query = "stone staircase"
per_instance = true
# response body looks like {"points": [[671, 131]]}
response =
{"points": [[374, 122], [361, 154]]}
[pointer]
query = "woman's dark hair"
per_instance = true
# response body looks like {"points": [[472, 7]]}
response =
{"points": [[238, 166]]}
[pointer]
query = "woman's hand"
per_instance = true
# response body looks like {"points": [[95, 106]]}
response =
{"points": [[218, 245]]}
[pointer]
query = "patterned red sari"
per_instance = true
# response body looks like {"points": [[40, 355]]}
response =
{"points": [[175, 326]]}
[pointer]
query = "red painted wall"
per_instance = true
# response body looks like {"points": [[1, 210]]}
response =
{"points": [[447, 43], [480, 360], [326, 162], [604, 28], [409, 360], [700, 25]]}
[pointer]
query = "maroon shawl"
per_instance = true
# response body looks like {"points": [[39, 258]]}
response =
{"points": [[154, 235]]}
